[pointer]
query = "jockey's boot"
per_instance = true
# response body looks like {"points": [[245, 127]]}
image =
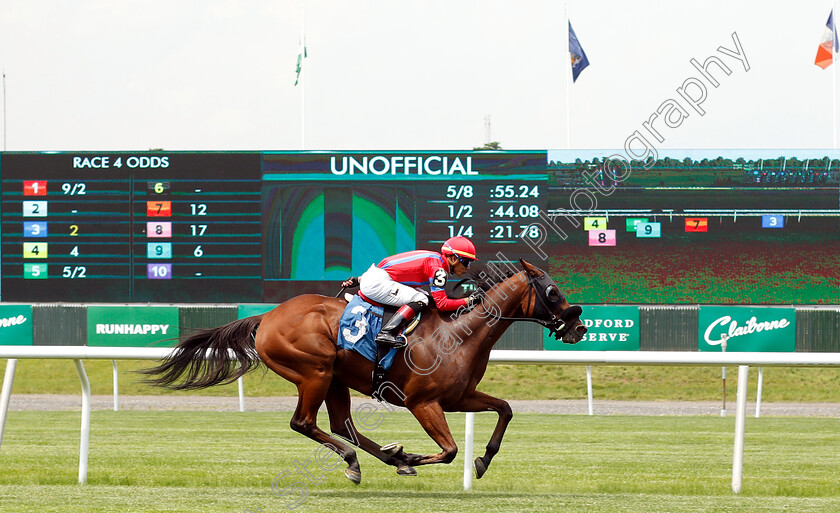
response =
{"points": [[388, 336]]}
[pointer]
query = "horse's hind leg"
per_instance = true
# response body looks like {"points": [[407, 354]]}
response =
{"points": [[310, 397], [313, 382], [431, 417], [341, 423], [478, 401]]}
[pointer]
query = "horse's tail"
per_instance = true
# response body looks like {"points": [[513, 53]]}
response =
{"points": [[215, 356]]}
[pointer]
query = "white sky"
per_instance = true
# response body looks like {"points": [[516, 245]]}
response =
{"points": [[404, 75]]}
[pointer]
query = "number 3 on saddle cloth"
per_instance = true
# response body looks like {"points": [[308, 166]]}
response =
{"points": [[357, 330]]}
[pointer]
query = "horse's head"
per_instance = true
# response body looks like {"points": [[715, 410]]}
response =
{"points": [[548, 306]]}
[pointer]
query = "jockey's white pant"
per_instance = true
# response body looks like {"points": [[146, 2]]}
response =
{"points": [[376, 284]]}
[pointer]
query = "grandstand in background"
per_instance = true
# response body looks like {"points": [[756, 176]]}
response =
{"points": [[719, 172]]}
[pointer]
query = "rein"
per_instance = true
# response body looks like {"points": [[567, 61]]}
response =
{"points": [[550, 324]]}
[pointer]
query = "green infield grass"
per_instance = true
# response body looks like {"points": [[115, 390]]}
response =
{"points": [[187, 461]]}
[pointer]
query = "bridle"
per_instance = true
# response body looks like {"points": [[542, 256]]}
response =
{"points": [[551, 295]]}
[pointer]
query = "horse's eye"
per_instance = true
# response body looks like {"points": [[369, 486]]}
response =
{"points": [[552, 293]]}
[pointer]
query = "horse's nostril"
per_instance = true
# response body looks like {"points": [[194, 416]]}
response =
{"points": [[580, 329]]}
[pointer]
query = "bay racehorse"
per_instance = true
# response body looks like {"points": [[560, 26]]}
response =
{"points": [[437, 372]]}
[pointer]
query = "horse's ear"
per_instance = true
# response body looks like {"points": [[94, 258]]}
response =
{"points": [[533, 271]]}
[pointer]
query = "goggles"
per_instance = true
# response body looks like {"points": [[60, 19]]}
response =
{"points": [[464, 261]]}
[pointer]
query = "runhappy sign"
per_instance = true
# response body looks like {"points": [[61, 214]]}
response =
{"points": [[132, 326]]}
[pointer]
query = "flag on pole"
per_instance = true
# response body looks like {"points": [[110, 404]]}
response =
{"points": [[579, 60], [301, 56], [828, 45]]}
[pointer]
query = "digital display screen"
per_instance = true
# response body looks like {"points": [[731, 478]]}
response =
{"points": [[722, 229], [237, 227], [330, 216]]}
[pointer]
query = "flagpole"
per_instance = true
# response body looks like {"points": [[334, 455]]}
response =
{"points": [[303, 80], [4, 110], [567, 74], [834, 75]]}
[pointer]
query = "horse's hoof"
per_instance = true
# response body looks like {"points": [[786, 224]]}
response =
{"points": [[391, 449], [480, 468], [405, 470], [353, 475]]}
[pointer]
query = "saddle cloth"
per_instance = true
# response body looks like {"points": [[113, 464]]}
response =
{"points": [[358, 327]]}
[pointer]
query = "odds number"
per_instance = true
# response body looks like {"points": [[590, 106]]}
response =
{"points": [[696, 224], [35, 188], [35, 250], [35, 271], [159, 271], [158, 187], [159, 229], [772, 221], [159, 250], [649, 230], [602, 237], [159, 208], [594, 223]]}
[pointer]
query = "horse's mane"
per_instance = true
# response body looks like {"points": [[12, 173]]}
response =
{"points": [[492, 274], [484, 277]]}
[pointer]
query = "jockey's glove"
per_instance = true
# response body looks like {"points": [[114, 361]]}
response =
{"points": [[475, 298]]}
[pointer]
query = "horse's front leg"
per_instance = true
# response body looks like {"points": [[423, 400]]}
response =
{"points": [[479, 401], [431, 417], [341, 424]]}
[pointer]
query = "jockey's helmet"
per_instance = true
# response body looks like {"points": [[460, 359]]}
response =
{"points": [[461, 247]]}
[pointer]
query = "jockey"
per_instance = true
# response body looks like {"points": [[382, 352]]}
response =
{"points": [[393, 282]]}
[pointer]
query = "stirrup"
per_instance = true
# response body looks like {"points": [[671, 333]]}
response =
{"points": [[412, 324]]}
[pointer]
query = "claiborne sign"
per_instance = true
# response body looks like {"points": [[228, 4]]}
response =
{"points": [[610, 328], [132, 326], [16, 325], [747, 329]]}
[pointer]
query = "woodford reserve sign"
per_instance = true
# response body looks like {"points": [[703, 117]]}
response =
{"points": [[609, 328]]}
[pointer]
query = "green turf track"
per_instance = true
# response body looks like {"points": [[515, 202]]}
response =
{"points": [[180, 461]]}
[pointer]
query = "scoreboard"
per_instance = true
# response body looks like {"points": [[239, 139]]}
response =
{"points": [[241, 227], [247, 227]]}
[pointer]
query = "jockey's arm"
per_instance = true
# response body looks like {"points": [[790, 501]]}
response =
{"points": [[444, 303], [437, 280]]}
